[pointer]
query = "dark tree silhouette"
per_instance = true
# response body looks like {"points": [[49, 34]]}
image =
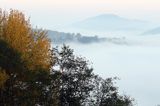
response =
{"points": [[79, 86], [76, 77]]}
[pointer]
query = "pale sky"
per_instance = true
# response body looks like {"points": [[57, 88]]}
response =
{"points": [[53, 13]]}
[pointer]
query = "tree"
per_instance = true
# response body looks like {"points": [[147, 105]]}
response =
{"points": [[11, 65], [79, 86], [105, 93], [25, 62], [75, 77], [32, 44]]}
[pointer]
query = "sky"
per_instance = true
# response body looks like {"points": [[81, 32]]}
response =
{"points": [[57, 13]]}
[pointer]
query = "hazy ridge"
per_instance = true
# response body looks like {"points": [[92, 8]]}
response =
{"points": [[62, 37]]}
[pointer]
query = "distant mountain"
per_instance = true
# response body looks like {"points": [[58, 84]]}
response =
{"points": [[61, 37], [154, 31], [111, 22]]}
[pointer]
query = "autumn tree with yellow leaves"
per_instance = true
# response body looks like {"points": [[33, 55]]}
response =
{"points": [[25, 61], [32, 44]]}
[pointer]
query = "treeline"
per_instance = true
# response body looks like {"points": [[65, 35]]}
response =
{"points": [[61, 37], [33, 74]]}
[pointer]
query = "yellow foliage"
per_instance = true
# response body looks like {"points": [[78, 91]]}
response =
{"points": [[40, 50], [32, 44], [3, 78]]}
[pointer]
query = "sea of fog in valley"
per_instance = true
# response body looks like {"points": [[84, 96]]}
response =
{"points": [[136, 63]]}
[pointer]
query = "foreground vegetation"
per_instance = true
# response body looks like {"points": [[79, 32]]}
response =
{"points": [[31, 73]]}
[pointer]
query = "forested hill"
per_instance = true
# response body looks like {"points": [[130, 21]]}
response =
{"points": [[62, 37]]}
